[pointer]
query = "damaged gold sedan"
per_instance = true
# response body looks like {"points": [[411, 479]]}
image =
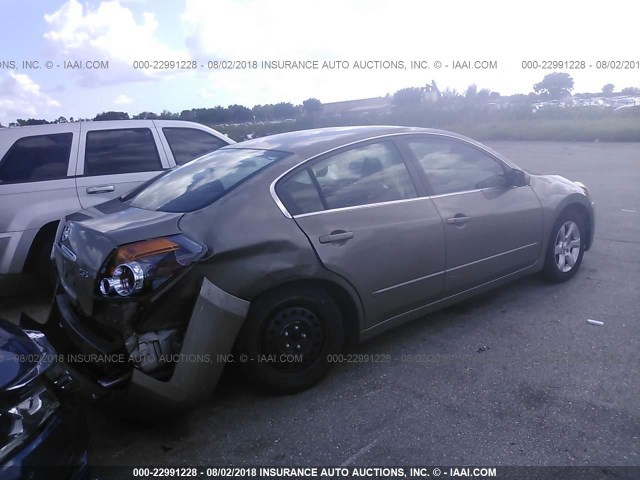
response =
{"points": [[274, 252]]}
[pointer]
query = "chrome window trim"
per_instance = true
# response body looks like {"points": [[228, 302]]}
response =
{"points": [[275, 197], [390, 202], [285, 212], [358, 207], [487, 189]]}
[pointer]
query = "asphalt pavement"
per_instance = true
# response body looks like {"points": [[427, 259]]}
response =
{"points": [[514, 377]]}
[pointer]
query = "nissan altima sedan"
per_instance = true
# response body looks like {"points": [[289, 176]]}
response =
{"points": [[273, 252]]}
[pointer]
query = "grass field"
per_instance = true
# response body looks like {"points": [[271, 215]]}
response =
{"points": [[610, 127], [604, 130]]}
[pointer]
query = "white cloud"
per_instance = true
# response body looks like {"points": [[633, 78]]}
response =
{"points": [[108, 32], [334, 29], [331, 30], [118, 31], [279, 29], [21, 97], [122, 100], [408, 30]]}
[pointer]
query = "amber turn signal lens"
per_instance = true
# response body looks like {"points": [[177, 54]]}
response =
{"points": [[146, 248], [146, 265]]}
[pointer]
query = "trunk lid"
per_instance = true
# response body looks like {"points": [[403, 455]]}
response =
{"points": [[87, 238]]}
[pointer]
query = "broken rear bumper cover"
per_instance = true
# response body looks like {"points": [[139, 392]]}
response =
{"points": [[210, 333]]}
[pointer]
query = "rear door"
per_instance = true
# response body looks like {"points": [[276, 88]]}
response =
{"points": [[115, 158], [492, 228], [363, 214]]}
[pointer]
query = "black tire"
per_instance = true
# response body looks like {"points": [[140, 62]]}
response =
{"points": [[303, 321], [43, 266], [552, 270]]}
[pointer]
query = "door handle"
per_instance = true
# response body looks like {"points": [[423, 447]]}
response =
{"points": [[458, 220], [336, 236], [101, 189]]}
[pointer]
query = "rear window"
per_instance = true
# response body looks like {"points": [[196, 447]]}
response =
{"points": [[37, 158], [201, 182]]}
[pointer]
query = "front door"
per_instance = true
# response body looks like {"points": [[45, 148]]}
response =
{"points": [[492, 228]]}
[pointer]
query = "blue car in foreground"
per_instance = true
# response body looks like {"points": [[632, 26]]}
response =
{"points": [[43, 433]]}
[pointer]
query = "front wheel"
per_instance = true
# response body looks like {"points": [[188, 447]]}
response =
{"points": [[287, 338], [566, 247]]}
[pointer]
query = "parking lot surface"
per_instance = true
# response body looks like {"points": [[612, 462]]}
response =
{"points": [[514, 377]]}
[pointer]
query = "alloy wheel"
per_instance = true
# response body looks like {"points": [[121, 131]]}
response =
{"points": [[567, 246]]}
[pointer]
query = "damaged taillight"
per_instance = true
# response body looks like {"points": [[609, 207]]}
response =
{"points": [[146, 265]]}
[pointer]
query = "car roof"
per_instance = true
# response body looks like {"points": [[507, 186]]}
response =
{"points": [[307, 143], [132, 123], [24, 131]]}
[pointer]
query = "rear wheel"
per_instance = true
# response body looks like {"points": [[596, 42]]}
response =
{"points": [[286, 340], [566, 247]]}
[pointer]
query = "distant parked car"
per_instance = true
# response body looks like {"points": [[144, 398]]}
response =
{"points": [[287, 245], [43, 432], [628, 109], [49, 171]]}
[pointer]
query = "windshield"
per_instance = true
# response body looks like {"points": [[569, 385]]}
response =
{"points": [[202, 181]]}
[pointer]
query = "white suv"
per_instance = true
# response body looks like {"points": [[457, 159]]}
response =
{"points": [[49, 171]]}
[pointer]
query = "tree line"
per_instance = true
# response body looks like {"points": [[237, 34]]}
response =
{"points": [[211, 116], [554, 86]]}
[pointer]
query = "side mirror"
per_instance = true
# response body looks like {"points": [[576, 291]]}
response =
{"points": [[518, 178]]}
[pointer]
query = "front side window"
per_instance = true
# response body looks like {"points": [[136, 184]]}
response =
{"points": [[126, 150], [452, 166], [37, 158], [199, 183], [189, 143], [372, 173]]}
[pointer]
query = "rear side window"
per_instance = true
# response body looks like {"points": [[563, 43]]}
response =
{"points": [[189, 143], [126, 150], [36, 158], [299, 194], [373, 173]]}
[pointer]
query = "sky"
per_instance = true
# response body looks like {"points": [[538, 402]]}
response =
{"points": [[58, 34]]}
